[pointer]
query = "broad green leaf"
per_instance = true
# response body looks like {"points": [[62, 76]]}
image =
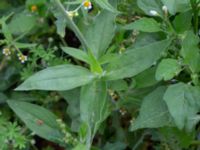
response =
{"points": [[134, 61], [190, 51], [167, 69], [183, 22], [175, 6], [22, 23], [100, 34], [106, 5], [94, 106], [148, 5], [153, 112], [79, 54], [146, 78], [59, 78], [38, 119], [144, 25], [183, 104]]}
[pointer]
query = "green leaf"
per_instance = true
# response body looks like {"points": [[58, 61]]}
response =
{"points": [[190, 51], [100, 34], [94, 106], [183, 104], [167, 69], [146, 78], [144, 25], [22, 23], [76, 53], [106, 5], [61, 21], [175, 6], [59, 78], [107, 58], [153, 112], [148, 5], [32, 114], [134, 61], [183, 22]]}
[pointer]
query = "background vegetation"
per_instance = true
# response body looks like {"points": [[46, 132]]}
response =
{"points": [[99, 75]]}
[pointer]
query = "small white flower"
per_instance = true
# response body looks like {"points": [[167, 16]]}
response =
{"points": [[165, 9], [153, 13], [6, 51], [22, 58]]}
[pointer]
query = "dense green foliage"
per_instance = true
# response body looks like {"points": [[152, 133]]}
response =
{"points": [[99, 75]]}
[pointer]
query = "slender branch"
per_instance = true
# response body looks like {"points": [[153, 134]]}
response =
{"points": [[73, 25]]}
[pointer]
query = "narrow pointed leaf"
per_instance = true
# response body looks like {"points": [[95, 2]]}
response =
{"points": [[38, 119], [144, 25], [76, 53], [99, 34], [63, 77], [136, 60]]}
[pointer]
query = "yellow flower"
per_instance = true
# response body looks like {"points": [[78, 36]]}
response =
{"points": [[6, 51], [34, 8], [22, 58], [87, 5]]}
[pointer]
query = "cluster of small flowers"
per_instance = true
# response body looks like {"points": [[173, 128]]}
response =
{"points": [[21, 57], [87, 6], [68, 138], [155, 13]]}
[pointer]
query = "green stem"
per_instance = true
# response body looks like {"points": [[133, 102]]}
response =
{"points": [[94, 65], [195, 9], [73, 25]]}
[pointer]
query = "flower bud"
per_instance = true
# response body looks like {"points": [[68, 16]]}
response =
{"points": [[153, 13], [165, 9]]}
